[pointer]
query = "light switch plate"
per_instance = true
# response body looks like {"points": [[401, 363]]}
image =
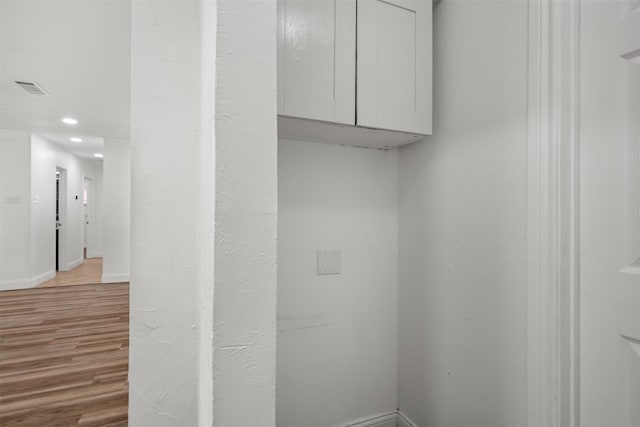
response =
{"points": [[329, 261]]}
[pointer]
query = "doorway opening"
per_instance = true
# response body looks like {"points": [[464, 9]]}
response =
{"points": [[87, 220], [61, 203]]}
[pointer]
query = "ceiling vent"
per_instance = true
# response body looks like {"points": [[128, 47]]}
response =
{"points": [[32, 87]]}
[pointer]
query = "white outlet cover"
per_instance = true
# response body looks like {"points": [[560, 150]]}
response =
{"points": [[329, 261]]}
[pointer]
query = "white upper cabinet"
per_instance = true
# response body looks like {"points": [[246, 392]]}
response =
{"points": [[317, 79], [395, 65], [317, 59]]}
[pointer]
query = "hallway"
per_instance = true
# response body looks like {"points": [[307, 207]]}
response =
{"points": [[90, 271]]}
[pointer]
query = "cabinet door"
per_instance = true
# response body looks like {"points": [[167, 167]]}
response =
{"points": [[394, 65], [316, 59]]}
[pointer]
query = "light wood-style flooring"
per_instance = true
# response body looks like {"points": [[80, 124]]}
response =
{"points": [[90, 271], [64, 356]]}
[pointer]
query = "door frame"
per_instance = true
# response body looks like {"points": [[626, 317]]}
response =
{"points": [[61, 199], [90, 230], [553, 264]]}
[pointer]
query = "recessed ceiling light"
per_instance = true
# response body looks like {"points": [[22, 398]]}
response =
{"points": [[74, 139], [70, 121], [98, 155]]}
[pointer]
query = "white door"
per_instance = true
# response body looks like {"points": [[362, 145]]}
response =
{"points": [[610, 217], [61, 256]]}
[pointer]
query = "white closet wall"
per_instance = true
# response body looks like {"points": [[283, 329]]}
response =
{"points": [[462, 227], [337, 334]]}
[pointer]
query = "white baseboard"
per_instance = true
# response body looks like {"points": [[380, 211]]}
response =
{"points": [[73, 264], [12, 285], [115, 278], [381, 420], [41, 278], [94, 254], [404, 421], [389, 419]]}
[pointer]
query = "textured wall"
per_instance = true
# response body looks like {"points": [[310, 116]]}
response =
{"points": [[203, 352], [164, 185], [245, 215]]}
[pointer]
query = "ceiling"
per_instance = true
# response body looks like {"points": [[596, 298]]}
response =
{"points": [[79, 52]]}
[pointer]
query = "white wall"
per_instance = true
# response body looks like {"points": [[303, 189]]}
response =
{"points": [[337, 334], [462, 227], [117, 210], [180, 374], [244, 321], [43, 208], [15, 209], [165, 123]]}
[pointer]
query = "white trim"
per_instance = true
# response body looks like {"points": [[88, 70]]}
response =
{"points": [[12, 285], [404, 421], [553, 220], [62, 198], [94, 254], [73, 264], [41, 278], [115, 278], [394, 418], [206, 211], [376, 420]]}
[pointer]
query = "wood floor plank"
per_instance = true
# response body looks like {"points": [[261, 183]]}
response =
{"points": [[64, 356], [90, 271]]}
